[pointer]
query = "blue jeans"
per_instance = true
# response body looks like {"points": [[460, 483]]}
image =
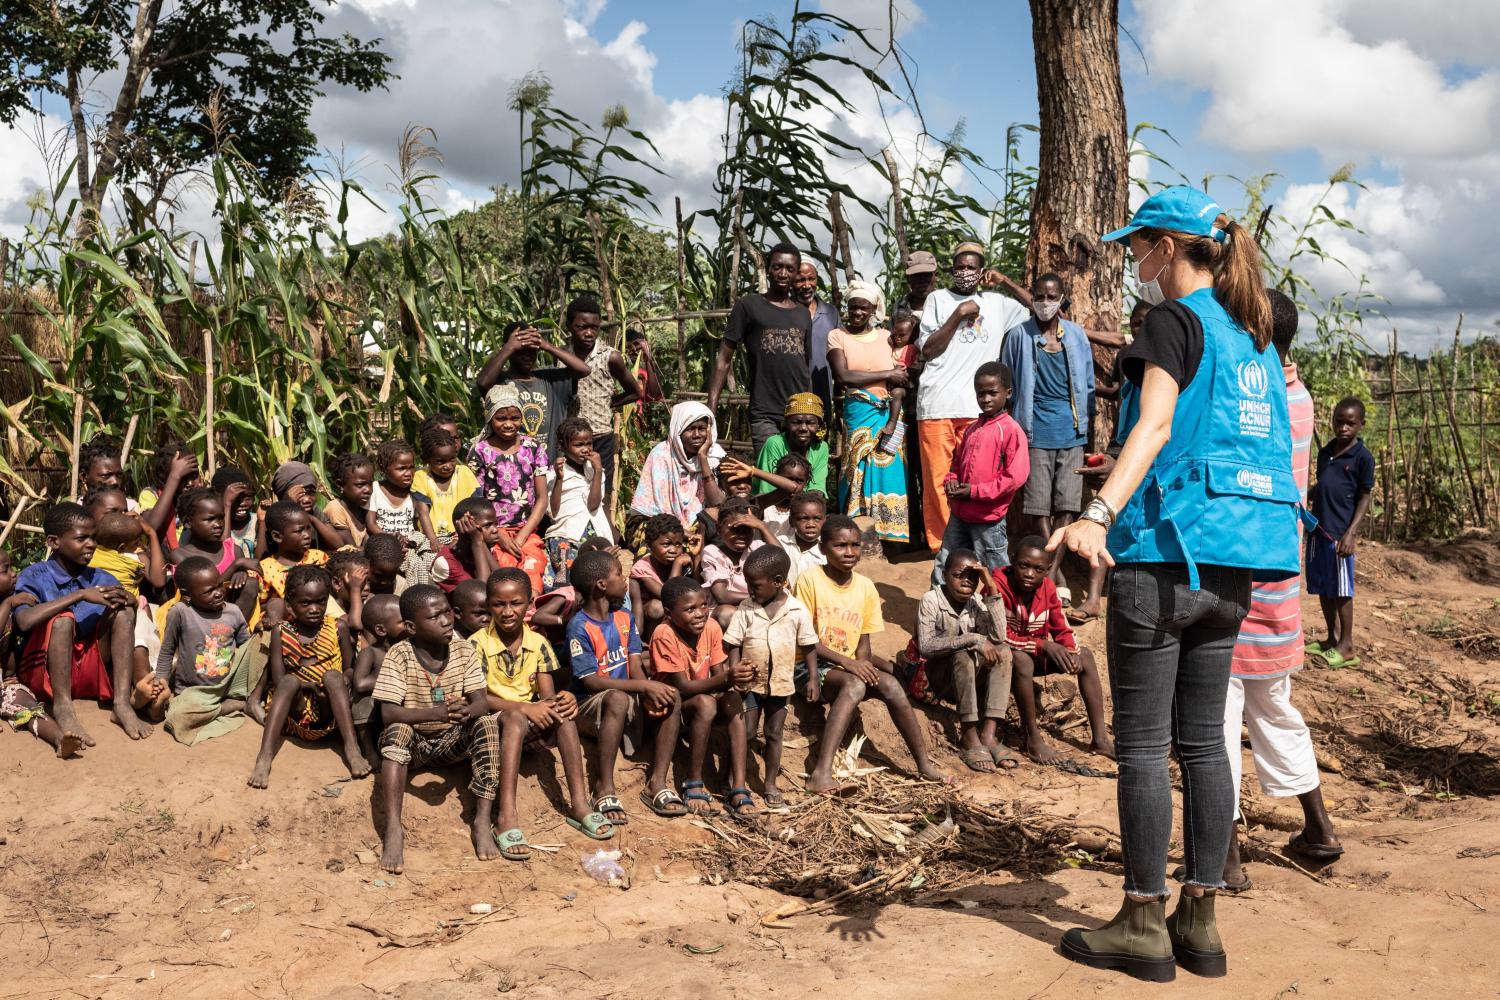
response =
{"points": [[1169, 653], [987, 541]]}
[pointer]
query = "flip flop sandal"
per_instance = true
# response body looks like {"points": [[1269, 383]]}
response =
{"points": [[1318, 852], [508, 841], [1004, 759], [976, 757], [665, 803], [775, 803], [1316, 646], [1337, 660], [590, 824], [1081, 769], [695, 791], [1076, 617], [607, 804], [740, 802]]}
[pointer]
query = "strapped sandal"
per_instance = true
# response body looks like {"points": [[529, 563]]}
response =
{"points": [[607, 804], [664, 803], [741, 805], [978, 759], [696, 791], [1318, 852], [1004, 758], [513, 846], [593, 826], [1081, 769]]}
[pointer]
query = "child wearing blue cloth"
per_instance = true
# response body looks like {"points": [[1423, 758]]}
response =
{"points": [[1340, 498]]}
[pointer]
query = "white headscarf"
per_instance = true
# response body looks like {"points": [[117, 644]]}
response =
{"points": [[684, 415], [872, 294]]}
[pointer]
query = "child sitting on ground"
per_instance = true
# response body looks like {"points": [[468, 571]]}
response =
{"points": [[666, 558], [442, 482], [289, 537], [296, 482], [512, 472], [576, 498], [103, 500], [80, 633], [806, 512], [1340, 498], [955, 649], [687, 651], [353, 478], [990, 465], [471, 607], [773, 633], [845, 609], [1042, 643], [349, 586], [201, 513], [521, 674], [309, 691], [801, 434], [18, 703], [471, 556], [605, 652], [238, 493], [386, 555], [431, 690], [722, 564], [393, 509], [117, 552], [202, 633], [383, 628]]}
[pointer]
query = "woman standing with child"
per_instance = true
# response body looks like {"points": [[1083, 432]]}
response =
{"points": [[874, 383], [1201, 502]]}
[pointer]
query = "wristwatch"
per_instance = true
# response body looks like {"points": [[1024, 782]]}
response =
{"points": [[1100, 512]]}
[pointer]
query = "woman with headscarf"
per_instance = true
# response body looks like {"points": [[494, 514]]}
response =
{"points": [[802, 425], [678, 475], [874, 383]]}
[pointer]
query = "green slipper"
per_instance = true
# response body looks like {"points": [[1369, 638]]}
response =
{"points": [[1337, 660], [1316, 646], [590, 824], [512, 844]]}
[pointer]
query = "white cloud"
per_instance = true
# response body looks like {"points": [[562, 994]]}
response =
{"points": [[25, 169]]}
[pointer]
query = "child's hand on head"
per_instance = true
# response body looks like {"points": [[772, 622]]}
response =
{"points": [[182, 466]]}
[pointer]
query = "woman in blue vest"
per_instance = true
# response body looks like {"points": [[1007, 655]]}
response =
{"points": [[1200, 502]]}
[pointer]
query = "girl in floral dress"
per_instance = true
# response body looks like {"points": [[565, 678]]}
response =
{"points": [[512, 472]]}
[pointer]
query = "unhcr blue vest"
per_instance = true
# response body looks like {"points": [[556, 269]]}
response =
{"points": [[1221, 491]]}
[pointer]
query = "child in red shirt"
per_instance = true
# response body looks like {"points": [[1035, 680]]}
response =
{"points": [[1042, 643]]}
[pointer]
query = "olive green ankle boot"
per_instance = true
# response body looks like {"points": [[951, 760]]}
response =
{"points": [[1135, 940], [1195, 936]]}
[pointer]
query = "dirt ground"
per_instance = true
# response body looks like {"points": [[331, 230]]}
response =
{"points": [[151, 869]]}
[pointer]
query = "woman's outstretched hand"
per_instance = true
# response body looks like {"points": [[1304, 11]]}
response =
{"points": [[1086, 538]]}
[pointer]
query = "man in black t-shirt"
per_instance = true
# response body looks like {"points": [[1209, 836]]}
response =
{"points": [[776, 331], [546, 393]]}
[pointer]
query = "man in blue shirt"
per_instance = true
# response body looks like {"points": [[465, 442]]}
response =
{"points": [[1053, 369], [1340, 498], [80, 633], [825, 319]]}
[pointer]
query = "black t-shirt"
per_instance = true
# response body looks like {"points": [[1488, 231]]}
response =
{"points": [[1171, 339], [545, 396], [776, 346]]}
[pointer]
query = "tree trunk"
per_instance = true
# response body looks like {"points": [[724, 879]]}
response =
{"points": [[1083, 182]]}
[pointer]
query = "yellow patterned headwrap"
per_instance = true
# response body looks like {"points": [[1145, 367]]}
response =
{"points": [[804, 402]]}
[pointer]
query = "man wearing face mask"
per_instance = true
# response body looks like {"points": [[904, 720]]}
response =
{"points": [[961, 329], [825, 319], [1053, 401]]}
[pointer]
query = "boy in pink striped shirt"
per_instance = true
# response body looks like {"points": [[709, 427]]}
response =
{"points": [[1269, 651]]}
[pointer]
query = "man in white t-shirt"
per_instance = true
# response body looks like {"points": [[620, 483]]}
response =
{"points": [[961, 329]]}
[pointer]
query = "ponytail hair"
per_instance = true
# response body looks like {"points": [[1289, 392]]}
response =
{"points": [[1235, 263]]}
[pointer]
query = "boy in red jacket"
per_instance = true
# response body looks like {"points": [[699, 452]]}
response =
{"points": [[989, 467], [1042, 643]]}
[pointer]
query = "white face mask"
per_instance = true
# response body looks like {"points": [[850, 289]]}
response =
{"points": [[1045, 309], [1150, 291]]}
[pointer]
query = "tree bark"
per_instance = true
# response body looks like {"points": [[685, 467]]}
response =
{"points": [[1083, 181]]}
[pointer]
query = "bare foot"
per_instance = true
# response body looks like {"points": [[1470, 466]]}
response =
{"points": [[1104, 747], [256, 711], [232, 706], [821, 782], [483, 835], [931, 773], [135, 727], [392, 857], [69, 744], [354, 757], [261, 776], [1039, 750], [67, 718]]}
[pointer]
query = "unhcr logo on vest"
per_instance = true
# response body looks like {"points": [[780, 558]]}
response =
{"points": [[1256, 482], [1255, 409]]}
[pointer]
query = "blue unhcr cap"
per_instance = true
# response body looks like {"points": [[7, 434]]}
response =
{"points": [[1178, 209]]}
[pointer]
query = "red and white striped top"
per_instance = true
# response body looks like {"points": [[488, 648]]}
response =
{"points": [[1270, 641]]}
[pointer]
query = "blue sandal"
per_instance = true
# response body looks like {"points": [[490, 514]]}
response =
{"points": [[741, 805], [696, 791]]}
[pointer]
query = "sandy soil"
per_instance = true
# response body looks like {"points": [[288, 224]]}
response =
{"points": [[150, 869]]}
